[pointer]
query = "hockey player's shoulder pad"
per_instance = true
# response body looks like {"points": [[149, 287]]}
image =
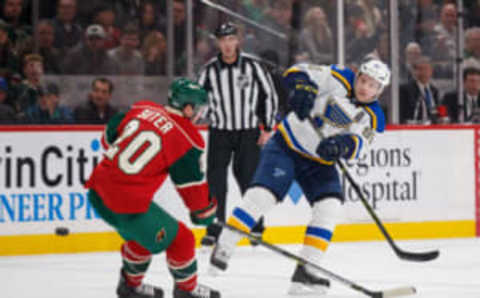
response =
{"points": [[294, 74], [344, 75], [377, 117], [111, 130], [144, 103], [189, 130]]}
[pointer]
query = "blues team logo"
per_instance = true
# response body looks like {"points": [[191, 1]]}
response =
{"points": [[243, 81], [335, 115]]}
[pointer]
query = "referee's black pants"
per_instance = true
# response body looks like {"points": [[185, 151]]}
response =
{"points": [[222, 144]]}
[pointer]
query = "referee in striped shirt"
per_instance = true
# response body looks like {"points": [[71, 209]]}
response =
{"points": [[241, 97]]}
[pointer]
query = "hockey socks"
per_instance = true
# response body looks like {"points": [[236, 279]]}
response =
{"points": [[181, 259], [257, 202], [318, 235], [136, 260]]}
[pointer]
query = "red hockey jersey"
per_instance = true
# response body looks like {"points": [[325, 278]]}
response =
{"points": [[144, 146]]}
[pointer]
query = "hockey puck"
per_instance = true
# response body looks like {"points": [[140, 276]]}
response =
{"points": [[61, 231]]}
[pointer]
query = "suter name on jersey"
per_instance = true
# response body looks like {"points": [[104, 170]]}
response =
{"points": [[157, 119]]}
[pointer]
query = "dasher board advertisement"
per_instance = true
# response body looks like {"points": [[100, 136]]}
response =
{"points": [[421, 183]]}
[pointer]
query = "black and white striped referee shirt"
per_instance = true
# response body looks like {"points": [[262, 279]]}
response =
{"points": [[240, 95]]}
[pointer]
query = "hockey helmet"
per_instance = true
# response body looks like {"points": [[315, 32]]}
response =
{"points": [[377, 70], [183, 91], [226, 29]]}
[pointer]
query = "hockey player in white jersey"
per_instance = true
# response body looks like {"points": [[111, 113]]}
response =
{"points": [[344, 109]]}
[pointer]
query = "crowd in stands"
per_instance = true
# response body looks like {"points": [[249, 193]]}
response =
{"points": [[101, 38]]}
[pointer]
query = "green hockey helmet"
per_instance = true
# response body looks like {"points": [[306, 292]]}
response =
{"points": [[183, 91]]}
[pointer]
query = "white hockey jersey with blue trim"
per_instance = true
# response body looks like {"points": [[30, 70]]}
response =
{"points": [[334, 112]]}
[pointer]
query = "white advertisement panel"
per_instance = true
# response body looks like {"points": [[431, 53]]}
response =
{"points": [[408, 176]]}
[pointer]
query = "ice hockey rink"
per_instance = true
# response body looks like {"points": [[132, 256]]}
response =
{"points": [[257, 272]]}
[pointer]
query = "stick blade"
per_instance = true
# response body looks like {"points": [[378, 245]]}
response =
{"points": [[397, 292], [418, 257]]}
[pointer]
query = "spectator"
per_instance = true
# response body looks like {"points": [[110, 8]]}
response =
{"points": [[105, 16], [68, 32], [26, 93], [280, 20], [48, 110], [413, 51], [97, 109], [154, 54], [89, 56], [473, 14], [12, 11], [382, 49], [371, 16], [44, 37], [357, 42], [424, 33], [446, 32], [420, 97], [471, 98], [472, 47], [9, 63], [204, 50], [128, 10], [148, 19], [180, 28], [7, 113], [316, 38], [255, 9], [128, 59], [87, 9]]}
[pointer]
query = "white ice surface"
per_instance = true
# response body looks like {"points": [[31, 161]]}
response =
{"points": [[257, 272]]}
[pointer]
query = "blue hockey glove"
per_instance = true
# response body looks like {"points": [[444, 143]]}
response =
{"points": [[302, 97], [332, 148]]}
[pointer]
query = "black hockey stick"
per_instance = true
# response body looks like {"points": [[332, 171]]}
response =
{"points": [[402, 254], [401, 291]]}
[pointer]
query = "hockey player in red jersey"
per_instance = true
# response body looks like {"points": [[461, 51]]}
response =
{"points": [[143, 147]]}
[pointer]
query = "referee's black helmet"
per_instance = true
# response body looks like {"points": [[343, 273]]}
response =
{"points": [[226, 29]]}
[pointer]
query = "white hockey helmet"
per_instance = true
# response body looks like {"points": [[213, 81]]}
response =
{"points": [[377, 70]]}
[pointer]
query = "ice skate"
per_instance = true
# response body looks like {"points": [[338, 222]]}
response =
{"points": [[142, 291], [305, 283], [200, 291]]}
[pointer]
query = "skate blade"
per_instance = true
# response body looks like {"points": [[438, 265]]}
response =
{"points": [[299, 289]]}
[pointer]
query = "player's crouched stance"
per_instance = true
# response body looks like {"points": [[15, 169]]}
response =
{"points": [[144, 146], [296, 152]]}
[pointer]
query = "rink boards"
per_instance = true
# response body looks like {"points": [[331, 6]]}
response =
{"points": [[422, 182]]}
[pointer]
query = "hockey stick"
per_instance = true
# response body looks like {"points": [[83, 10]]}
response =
{"points": [[402, 254], [395, 292]]}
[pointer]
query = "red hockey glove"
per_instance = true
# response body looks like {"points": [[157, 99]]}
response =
{"points": [[205, 216]]}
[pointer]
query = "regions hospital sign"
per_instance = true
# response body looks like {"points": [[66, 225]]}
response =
{"points": [[421, 182]]}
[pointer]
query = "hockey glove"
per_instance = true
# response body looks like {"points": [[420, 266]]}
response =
{"points": [[205, 216], [332, 148], [302, 97]]}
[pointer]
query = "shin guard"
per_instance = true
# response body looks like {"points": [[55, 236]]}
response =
{"points": [[318, 235], [136, 260], [181, 259]]}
